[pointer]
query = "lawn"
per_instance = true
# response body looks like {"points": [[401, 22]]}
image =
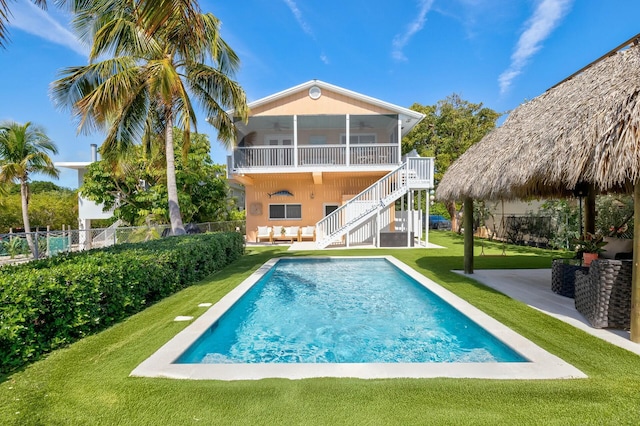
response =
{"points": [[88, 382]]}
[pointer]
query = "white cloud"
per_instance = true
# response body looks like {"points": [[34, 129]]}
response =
{"points": [[324, 59], [401, 40], [545, 19], [298, 15], [33, 20]]}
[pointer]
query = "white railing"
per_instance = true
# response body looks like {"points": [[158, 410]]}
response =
{"points": [[415, 173], [314, 155], [374, 154], [264, 156], [321, 155]]}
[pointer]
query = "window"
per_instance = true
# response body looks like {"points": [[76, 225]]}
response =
{"points": [[285, 211], [329, 208], [275, 140], [357, 138]]}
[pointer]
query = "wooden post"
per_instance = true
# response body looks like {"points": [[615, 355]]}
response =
{"points": [[468, 235], [590, 210], [635, 276]]}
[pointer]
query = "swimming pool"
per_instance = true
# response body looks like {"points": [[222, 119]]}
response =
{"points": [[381, 319], [302, 311]]}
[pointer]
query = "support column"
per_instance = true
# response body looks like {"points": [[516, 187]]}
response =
{"points": [[399, 141], [377, 237], [427, 206], [409, 216], [84, 231], [295, 141], [468, 235], [635, 276], [347, 136], [590, 210]]}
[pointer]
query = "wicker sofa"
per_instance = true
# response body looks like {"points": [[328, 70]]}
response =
{"points": [[603, 294], [563, 275]]}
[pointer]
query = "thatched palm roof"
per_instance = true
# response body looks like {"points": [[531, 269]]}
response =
{"points": [[585, 129]]}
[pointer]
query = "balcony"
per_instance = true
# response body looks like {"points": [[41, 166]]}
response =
{"points": [[267, 143], [329, 155]]}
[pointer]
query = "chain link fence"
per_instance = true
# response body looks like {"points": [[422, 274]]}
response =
{"points": [[17, 247]]}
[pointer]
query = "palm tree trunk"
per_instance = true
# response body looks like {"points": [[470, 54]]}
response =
{"points": [[24, 192], [177, 228]]}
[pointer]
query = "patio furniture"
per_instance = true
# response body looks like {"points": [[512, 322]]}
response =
{"points": [[307, 233], [264, 232], [287, 233], [603, 294], [563, 275]]}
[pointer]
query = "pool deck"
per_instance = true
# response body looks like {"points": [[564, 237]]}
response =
{"points": [[533, 287]]}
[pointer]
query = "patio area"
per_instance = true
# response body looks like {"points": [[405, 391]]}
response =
{"points": [[533, 287]]}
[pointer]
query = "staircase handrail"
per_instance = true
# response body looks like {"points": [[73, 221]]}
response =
{"points": [[378, 195]]}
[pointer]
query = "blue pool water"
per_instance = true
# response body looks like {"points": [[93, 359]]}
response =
{"points": [[343, 311]]}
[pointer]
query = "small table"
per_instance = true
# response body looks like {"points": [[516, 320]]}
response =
{"points": [[281, 237], [563, 276]]}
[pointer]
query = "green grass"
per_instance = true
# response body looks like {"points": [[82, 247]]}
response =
{"points": [[88, 382]]}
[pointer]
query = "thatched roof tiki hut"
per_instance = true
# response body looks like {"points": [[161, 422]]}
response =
{"points": [[582, 133]]}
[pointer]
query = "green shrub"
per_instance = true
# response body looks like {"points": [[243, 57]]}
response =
{"points": [[52, 302]]}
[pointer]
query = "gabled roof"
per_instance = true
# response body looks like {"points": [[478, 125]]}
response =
{"points": [[408, 116]]}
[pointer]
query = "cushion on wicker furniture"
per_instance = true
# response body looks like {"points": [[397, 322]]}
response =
{"points": [[615, 246], [603, 295]]}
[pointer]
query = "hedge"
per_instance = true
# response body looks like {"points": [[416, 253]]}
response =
{"points": [[52, 302]]}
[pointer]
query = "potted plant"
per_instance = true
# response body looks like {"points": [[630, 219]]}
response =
{"points": [[283, 231], [590, 246]]}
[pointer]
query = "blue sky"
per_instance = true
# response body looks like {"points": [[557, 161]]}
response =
{"points": [[498, 52]]}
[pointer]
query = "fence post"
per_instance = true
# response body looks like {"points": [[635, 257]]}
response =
{"points": [[36, 255], [70, 236], [48, 242]]}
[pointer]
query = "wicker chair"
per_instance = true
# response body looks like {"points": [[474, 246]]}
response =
{"points": [[603, 294], [563, 275]]}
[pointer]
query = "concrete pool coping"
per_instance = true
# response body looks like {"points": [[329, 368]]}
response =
{"points": [[542, 365]]}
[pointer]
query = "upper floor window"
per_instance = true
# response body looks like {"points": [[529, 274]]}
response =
{"points": [[275, 140], [359, 138]]}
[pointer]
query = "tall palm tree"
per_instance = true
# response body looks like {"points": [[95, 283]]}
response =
{"points": [[24, 150], [146, 85], [153, 13]]}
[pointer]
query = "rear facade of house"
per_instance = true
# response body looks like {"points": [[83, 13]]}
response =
{"points": [[321, 156]]}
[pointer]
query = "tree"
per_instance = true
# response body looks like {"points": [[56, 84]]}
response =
{"points": [[448, 130], [24, 150], [154, 13], [137, 186], [147, 86], [49, 205]]}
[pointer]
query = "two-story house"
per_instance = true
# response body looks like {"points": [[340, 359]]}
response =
{"points": [[323, 156]]}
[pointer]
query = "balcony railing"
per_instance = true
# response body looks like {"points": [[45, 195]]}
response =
{"points": [[309, 155]]}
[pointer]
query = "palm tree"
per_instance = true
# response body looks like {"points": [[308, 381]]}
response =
{"points": [[23, 150], [146, 87], [154, 13]]}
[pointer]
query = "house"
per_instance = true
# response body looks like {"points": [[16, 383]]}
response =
{"points": [[87, 209], [321, 155]]}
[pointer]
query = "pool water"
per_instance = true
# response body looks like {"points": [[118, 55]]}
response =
{"points": [[342, 310]]}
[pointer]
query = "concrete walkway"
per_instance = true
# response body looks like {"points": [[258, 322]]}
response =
{"points": [[533, 287]]}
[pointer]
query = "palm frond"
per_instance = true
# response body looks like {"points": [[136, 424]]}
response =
{"points": [[217, 93]]}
